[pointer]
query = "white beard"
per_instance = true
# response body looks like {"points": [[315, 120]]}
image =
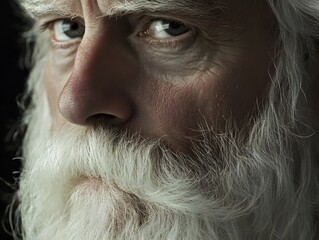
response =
{"points": [[80, 184], [88, 184]]}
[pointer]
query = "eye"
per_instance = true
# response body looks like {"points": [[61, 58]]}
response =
{"points": [[66, 30], [167, 29]]}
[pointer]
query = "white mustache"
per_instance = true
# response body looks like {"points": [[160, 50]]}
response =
{"points": [[144, 169]]}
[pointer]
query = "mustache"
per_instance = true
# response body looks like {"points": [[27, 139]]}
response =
{"points": [[114, 157], [145, 170], [94, 152]]}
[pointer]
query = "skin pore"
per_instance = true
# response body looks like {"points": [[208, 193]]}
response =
{"points": [[128, 76]]}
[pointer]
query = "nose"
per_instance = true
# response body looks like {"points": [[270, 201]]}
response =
{"points": [[98, 84]]}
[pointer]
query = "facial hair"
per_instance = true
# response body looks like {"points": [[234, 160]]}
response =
{"points": [[256, 183], [94, 184]]}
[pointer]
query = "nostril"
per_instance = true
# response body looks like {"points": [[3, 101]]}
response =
{"points": [[103, 117]]}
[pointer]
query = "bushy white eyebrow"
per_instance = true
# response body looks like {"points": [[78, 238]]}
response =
{"points": [[195, 8], [38, 8], [189, 7]]}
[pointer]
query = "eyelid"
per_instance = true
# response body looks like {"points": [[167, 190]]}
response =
{"points": [[142, 22], [47, 23], [178, 42]]}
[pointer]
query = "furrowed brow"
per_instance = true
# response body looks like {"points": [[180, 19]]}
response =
{"points": [[190, 6], [200, 9]]}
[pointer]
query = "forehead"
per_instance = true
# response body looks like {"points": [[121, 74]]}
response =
{"points": [[193, 9]]}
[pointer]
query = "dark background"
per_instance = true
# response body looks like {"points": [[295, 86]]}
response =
{"points": [[12, 77]]}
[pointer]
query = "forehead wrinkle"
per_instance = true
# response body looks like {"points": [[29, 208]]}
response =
{"points": [[201, 9]]}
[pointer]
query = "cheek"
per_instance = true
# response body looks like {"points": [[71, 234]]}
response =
{"points": [[178, 112], [57, 71], [233, 96], [245, 92], [206, 102]]}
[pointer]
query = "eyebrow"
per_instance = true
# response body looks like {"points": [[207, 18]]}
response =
{"points": [[201, 9], [38, 8]]}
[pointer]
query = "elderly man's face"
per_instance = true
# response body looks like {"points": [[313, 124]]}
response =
{"points": [[123, 77], [160, 74]]}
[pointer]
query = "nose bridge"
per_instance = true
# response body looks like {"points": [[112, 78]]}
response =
{"points": [[96, 85], [96, 54]]}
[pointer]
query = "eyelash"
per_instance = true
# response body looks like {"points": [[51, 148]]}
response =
{"points": [[173, 42], [176, 43], [43, 27]]}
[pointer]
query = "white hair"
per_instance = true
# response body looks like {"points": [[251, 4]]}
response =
{"points": [[261, 187]]}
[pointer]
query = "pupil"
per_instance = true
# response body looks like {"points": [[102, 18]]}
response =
{"points": [[175, 25], [74, 26], [175, 28], [72, 29]]}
